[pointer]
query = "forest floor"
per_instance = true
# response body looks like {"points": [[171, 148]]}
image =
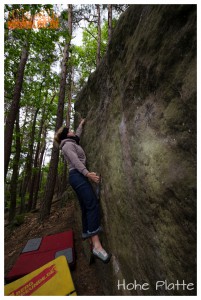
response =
{"points": [[61, 219]]}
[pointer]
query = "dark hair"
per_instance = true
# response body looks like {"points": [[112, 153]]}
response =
{"points": [[61, 134]]}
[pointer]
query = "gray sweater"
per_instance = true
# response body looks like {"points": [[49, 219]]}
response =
{"points": [[74, 154]]}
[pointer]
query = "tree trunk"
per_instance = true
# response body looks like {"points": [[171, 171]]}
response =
{"points": [[35, 165], [61, 180], [109, 22], [14, 179], [14, 109], [38, 174], [50, 184], [23, 128], [64, 178], [28, 166], [98, 56], [68, 115]]}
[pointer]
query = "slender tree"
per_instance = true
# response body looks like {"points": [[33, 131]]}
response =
{"points": [[109, 22], [14, 109], [70, 83], [28, 166], [14, 178], [38, 174], [50, 184], [36, 164], [98, 54]]}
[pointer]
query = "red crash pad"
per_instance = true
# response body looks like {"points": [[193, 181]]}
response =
{"points": [[51, 246]]}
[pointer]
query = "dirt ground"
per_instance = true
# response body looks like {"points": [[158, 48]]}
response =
{"points": [[61, 219]]}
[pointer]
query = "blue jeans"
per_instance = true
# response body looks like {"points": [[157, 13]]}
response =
{"points": [[88, 203]]}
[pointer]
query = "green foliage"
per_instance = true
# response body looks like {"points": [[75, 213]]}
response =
{"points": [[84, 56], [41, 80]]}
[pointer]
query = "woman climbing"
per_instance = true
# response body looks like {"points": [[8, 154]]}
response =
{"points": [[78, 177]]}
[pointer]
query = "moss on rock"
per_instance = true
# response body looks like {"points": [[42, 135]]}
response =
{"points": [[140, 135]]}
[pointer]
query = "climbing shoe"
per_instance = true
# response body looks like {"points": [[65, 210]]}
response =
{"points": [[102, 255]]}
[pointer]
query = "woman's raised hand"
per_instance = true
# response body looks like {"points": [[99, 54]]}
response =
{"points": [[82, 122]]}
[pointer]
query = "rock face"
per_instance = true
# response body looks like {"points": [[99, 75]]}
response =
{"points": [[140, 135]]}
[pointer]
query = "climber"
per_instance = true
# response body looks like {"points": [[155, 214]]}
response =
{"points": [[68, 142]]}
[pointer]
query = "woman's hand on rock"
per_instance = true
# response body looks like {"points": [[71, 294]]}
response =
{"points": [[92, 176]]}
